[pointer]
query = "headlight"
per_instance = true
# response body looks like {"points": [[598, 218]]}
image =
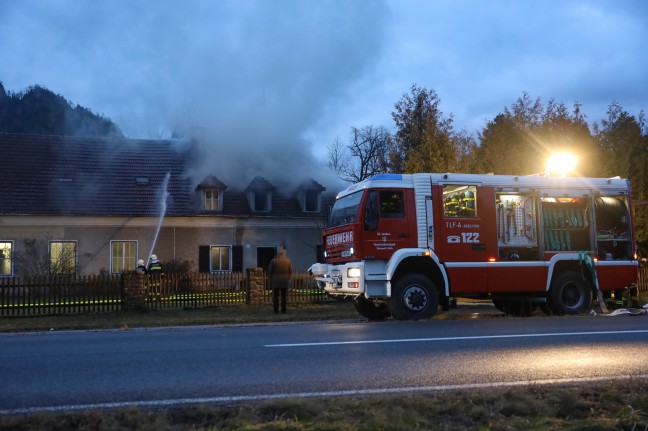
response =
{"points": [[353, 272]]}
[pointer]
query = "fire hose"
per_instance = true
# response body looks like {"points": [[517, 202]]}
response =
{"points": [[586, 259]]}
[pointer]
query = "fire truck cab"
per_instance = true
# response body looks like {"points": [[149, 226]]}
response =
{"points": [[403, 245]]}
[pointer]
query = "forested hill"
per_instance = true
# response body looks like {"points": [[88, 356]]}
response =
{"points": [[37, 110]]}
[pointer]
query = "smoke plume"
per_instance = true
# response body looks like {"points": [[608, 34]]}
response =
{"points": [[243, 79]]}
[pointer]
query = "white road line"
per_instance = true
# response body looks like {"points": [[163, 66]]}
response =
{"points": [[350, 392], [480, 337]]}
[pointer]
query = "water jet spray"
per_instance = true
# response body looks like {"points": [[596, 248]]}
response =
{"points": [[163, 199]]}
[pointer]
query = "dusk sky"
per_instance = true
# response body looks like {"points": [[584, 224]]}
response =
{"points": [[297, 74]]}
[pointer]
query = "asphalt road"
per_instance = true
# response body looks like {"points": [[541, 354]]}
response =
{"points": [[223, 364]]}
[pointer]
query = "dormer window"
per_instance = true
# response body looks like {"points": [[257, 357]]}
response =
{"points": [[310, 196], [311, 201], [212, 200], [259, 195], [261, 201], [211, 192]]}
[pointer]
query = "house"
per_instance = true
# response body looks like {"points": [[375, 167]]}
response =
{"points": [[84, 206]]}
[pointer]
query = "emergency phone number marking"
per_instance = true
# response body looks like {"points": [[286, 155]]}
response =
{"points": [[466, 237]]}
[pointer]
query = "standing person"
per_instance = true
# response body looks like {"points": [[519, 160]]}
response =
{"points": [[155, 272], [279, 272]]}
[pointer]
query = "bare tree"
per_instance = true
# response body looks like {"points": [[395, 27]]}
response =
{"points": [[338, 158], [367, 154]]}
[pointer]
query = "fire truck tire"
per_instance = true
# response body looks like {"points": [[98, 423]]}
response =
{"points": [[570, 294], [371, 310], [414, 297]]}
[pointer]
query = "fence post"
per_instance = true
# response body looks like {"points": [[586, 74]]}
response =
{"points": [[257, 286], [134, 295]]}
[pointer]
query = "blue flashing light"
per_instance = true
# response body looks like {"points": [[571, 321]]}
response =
{"points": [[390, 177]]}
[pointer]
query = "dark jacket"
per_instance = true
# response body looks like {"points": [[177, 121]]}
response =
{"points": [[141, 268], [279, 272], [155, 269]]}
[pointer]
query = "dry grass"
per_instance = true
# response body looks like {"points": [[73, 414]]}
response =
{"points": [[611, 406], [230, 314]]}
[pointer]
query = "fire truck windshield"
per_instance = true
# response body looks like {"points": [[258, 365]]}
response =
{"points": [[345, 210]]}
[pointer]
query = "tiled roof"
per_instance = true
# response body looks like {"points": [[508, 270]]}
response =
{"points": [[54, 175]]}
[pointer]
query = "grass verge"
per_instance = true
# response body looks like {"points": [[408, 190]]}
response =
{"points": [[230, 314], [612, 406]]}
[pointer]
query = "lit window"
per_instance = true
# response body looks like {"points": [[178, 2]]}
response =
{"points": [[221, 258], [212, 199], [63, 257], [123, 256], [6, 253]]}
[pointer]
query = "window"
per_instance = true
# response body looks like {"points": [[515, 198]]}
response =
{"points": [[6, 258], [212, 200], [230, 259], [123, 255], [345, 210], [221, 258], [459, 201], [391, 204], [311, 201], [261, 201], [63, 257]]}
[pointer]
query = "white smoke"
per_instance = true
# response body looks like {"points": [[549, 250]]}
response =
{"points": [[251, 76]]}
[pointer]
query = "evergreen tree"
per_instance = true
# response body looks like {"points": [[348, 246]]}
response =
{"points": [[40, 111], [422, 142], [520, 140], [624, 145]]}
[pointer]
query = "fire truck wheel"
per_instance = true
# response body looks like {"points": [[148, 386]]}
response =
{"points": [[371, 310], [414, 297], [570, 294]]}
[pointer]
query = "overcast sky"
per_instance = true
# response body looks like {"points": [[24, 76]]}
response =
{"points": [[287, 77]]}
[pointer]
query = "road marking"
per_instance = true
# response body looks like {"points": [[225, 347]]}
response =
{"points": [[351, 392], [480, 337]]}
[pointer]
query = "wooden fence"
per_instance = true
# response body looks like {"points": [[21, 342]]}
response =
{"points": [[27, 296], [24, 296], [643, 278]]}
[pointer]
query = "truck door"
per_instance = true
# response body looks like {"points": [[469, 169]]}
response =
{"points": [[387, 224], [465, 238]]}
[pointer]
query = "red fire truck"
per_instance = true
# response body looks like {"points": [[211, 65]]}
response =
{"points": [[403, 245]]}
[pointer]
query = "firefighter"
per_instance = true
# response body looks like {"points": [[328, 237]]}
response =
{"points": [[155, 275], [141, 267]]}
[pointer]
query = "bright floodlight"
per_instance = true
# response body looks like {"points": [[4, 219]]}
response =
{"points": [[561, 163]]}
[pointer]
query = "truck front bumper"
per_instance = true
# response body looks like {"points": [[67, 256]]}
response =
{"points": [[339, 280]]}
